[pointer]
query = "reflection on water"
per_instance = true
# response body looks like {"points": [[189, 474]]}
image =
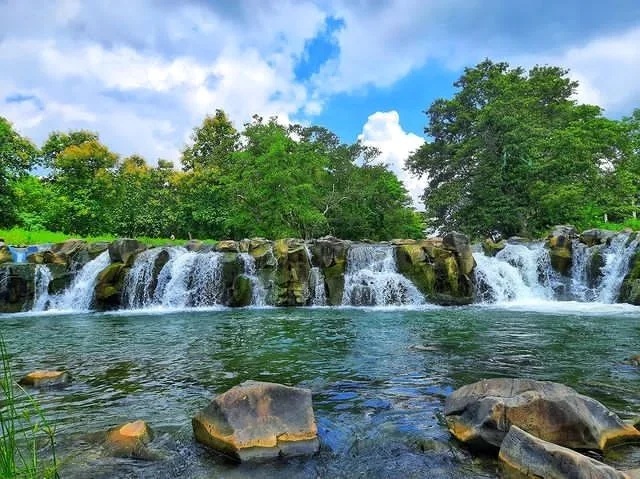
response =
{"points": [[379, 379]]}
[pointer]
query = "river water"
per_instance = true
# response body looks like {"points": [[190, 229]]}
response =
{"points": [[379, 378]]}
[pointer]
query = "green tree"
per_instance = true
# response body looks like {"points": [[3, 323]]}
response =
{"points": [[513, 151], [17, 156], [213, 143]]}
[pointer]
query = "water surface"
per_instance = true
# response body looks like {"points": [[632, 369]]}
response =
{"points": [[379, 378]]}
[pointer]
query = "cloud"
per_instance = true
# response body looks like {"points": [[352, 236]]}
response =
{"points": [[383, 131]]}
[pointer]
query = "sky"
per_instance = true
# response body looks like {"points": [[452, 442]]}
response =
{"points": [[144, 73]]}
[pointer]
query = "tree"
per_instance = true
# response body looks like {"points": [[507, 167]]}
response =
{"points": [[58, 141], [513, 151], [213, 143], [17, 156]]}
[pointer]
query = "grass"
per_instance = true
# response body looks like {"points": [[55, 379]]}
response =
{"points": [[22, 429], [20, 236], [634, 224]]}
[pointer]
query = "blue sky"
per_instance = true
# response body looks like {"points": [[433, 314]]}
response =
{"points": [[144, 73]]}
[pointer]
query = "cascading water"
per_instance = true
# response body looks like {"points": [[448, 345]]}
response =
{"points": [[42, 280], [523, 273], [617, 257], [372, 279], [517, 273], [316, 282], [258, 292], [140, 283], [79, 295]]}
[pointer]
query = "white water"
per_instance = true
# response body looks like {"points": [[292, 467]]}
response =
{"points": [[372, 279], [137, 284], [42, 280], [316, 282], [258, 292], [79, 295], [522, 274]]}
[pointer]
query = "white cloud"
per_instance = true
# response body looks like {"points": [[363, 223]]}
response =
{"points": [[383, 131]]}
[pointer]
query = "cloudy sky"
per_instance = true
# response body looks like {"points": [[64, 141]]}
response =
{"points": [[143, 73]]}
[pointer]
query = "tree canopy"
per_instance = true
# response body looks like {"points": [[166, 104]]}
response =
{"points": [[514, 151]]}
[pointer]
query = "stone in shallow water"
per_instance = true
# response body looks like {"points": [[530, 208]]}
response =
{"points": [[129, 440], [259, 420], [533, 457], [42, 378], [480, 414]]}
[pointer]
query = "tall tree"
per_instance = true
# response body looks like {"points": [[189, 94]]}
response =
{"points": [[213, 143]]}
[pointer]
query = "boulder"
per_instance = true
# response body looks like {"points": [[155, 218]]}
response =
{"points": [[291, 286], [16, 287], [401, 242], [330, 255], [634, 360], [480, 414], [109, 285], [594, 237], [95, 248], [630, 289], [533, 457], [242, 292], [5, 254], [124, 250], [491, 248], [560, 244], [440, 272], [459, 243], [259, 420], [129, 440], [43, 378], [227, 246]]}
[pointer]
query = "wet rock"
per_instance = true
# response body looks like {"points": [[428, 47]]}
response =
{"points": [[124, 250], [441, 273], [16, 287], [330, 255], [594, 237], [96, 248], [634, 360], [559, 243], [129, 440], [292, 273], [518, 240], [400, 242], [109, 285], [533, 457], [242, 292], [491, 248], [259, 420], [43, 378], [5, 254], [227, 246], [480, 414], [630, 289]]}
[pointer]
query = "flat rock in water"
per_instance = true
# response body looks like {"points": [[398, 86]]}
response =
{"points": [[533, 457], [480, 414], [43, 378], [259, 420], [129, 440]]}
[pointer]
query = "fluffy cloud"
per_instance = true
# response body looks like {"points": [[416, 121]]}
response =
{"points": [[383, 131]]}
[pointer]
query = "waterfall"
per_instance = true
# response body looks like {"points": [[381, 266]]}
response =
{"points": [[258, 291], [517, 273], [139, 284], [523, 273], [79, 295], [42, 280], [316, 281], [372, 279], [617, 259], [19, 255]]}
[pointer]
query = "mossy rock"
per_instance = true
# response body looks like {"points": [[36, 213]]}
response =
{"points": [[630, 290], [561, 259], [242, 292], [5, 254], [109, 284], [491, 248], [334, 281]]}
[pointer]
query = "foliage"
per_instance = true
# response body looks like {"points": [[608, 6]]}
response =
{"points": [[21, 236], [514, 151], [23, 427]]}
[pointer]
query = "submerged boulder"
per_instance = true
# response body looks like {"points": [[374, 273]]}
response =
{"points": [[480, 414], [43, 378], [533, 457], [124, 250], [259, 420], [129, 440]]}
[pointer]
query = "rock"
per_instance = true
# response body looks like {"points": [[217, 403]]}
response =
{"points": [[459, 243], [124, 250], [95, 248], [560, 245], [242, 292], [129, 440], [259, 420], [630, 289], [16, 287], [227, 246], [292, 273], [480, 414], [634, 360], [491, 248], [438, 271], [533, 457], [594, 237], [43, 378], [5, 254], [401, 242], [518, 240], [330, 255], [109, 284]]}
